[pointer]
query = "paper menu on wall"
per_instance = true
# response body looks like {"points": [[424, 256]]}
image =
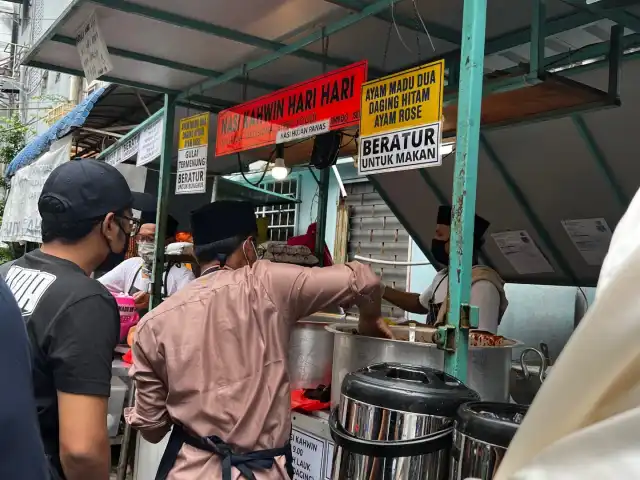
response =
{"points": [[591, 236], [522, 253]]}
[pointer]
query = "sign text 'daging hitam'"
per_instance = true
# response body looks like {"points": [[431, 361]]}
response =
{"points": [[400, 126]]}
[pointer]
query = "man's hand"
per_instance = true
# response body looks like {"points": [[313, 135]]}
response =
{"points": [[371, 322], [142, 300], [374, 328]]}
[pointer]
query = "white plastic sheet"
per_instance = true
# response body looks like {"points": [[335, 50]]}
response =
{"points": [[585, 421], [21, 221]]}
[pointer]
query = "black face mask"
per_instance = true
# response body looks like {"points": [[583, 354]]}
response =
{"points": [[113, 259], [439, 252]]}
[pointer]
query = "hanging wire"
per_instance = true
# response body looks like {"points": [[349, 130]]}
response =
{"points": [[266, 166], [393, 18], [325, 49], [386, 48], [395, 24], [264, 172], [424, 26]]}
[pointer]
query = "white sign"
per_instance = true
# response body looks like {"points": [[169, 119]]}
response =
{"points": [[416, 147], [308, 453], [21, 220], [522, 253], [591, 236], [303, 131], [328, 463], [129, 148], [136, 177], [150, 143], [114, 157], [94, 54], [192, 170]]}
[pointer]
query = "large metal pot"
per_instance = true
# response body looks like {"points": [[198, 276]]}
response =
{"points": [[488, 372], [482, 435], [395, 423], [311, 351]]}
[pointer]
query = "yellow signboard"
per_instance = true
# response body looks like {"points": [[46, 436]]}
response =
{"points": [[403, 100], [194, 131]]}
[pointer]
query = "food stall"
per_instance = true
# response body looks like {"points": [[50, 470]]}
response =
{"points": [[324, 117]]}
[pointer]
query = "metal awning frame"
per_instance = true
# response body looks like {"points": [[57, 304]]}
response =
{"points": [[465, 68]]}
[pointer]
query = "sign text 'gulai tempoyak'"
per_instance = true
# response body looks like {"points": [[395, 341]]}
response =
{"points": [[400, 120], [327, 102]]}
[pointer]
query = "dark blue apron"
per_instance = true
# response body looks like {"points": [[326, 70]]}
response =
{"points": [[246, 463]]}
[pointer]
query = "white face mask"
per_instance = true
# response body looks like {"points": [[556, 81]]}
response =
{"points": [[146, 251]]}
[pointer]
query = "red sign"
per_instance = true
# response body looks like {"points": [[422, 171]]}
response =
{"points": [[327, 102]]}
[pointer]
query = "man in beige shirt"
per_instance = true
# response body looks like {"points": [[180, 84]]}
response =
{"points": [[212, 360]]}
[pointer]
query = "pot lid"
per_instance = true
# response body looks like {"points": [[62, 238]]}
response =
{"points": [[407, 388], [494, 423]]}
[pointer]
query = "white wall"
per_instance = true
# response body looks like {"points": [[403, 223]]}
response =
{"points": [[42, 90]]}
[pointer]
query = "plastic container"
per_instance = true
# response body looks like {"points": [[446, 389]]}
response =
{"points": [[128, 314]]}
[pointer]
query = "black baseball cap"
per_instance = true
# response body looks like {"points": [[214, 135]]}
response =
{"points": [[87, 189]]}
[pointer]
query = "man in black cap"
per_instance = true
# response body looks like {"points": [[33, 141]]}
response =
{"points": [[133, 276], [487, 288], [72, 321], [223, 381]]}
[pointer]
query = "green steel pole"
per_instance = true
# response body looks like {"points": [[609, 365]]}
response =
{"points": [[537, 44], [464, 187], [164, 185]]}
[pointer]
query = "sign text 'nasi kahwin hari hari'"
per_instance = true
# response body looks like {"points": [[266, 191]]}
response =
{"points": [[400, 124], [328, 102]]}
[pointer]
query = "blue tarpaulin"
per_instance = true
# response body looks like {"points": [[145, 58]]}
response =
{"points": [[74, 119]]}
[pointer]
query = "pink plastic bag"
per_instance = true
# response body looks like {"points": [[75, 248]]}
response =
{"points": [[128, 314]]}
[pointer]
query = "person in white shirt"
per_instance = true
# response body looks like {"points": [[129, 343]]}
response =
{"points": [[134, 274], [487, 288]]}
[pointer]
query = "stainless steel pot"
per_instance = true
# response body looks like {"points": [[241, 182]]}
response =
{"points": [[488, 372], [395, 423], [481, 437], [311, 351]]}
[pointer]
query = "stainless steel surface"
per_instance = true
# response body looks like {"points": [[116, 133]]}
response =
{"points": [[525, 379], [471, 458], [120, 368], [381, 424], [488, 372], [123, 460], [311, 351], [351, 466]]}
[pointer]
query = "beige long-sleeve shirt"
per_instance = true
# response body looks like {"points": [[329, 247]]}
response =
{"points": [[214, 356]]}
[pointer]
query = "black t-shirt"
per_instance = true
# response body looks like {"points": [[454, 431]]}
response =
{"points": [[21, 453], [73, 326]]}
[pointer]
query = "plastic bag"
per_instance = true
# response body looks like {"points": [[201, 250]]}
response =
{"points": [[584, 422], [128, 314]]}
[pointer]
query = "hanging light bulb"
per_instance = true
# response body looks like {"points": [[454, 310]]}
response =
{"points": [[279, 171]]}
